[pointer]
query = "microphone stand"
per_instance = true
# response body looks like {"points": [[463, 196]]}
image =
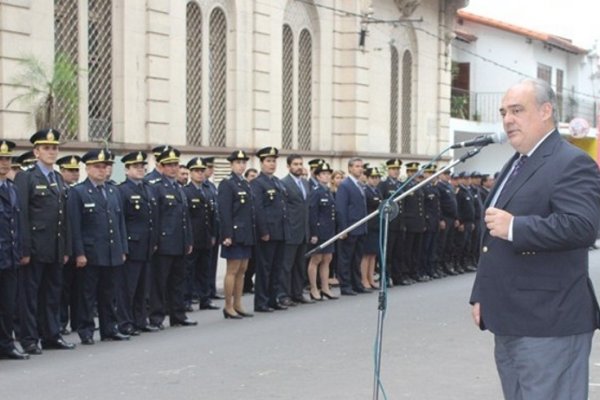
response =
{"points": [[388, 208]]}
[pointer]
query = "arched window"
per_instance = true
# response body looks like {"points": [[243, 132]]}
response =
{"points": [[406, 101], [100, 70], [394, 100], [218, 78], [287, 129], [66, 46], [304, 90], [194, 74]]}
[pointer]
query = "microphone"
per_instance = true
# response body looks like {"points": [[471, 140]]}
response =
{"points": [[498, 137]]}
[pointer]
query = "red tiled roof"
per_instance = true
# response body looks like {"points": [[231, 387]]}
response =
{"points": [[552, 40]]}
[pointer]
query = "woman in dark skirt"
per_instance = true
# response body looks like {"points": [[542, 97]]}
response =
{"points": [[237, 219], [369, 260], [321, 217]]}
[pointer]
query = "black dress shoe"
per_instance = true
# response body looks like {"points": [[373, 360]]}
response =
{"points": [[159, 327], [15, 354], [150, 328], [303, 300], [226, 315], [288, 302], [88, 341], [117, 336], [208, 306], [130, 331], [244, 314], [217, 297], [348, 292], [279, 306], [185, 322], [32, 349], [263, 309], [59, 344]]}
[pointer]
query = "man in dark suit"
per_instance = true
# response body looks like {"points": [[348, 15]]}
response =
{"points": [[174, 241], [272, 228], [294, 264], [46, 247], [351, 206], [99, 247], [140, 210], [10, 255], [532, 288]]}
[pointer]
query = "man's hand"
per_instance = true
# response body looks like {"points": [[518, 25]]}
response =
{"points": [[80, 261], [442, 225], [65, 259], [25, 260], [476, 313], [314, 239], [498, 222], [265, 238], [227, 242]]}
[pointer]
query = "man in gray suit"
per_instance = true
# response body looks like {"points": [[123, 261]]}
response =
{"points": [[293, 273], [532, 288]]}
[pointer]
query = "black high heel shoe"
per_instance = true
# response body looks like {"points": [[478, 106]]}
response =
{"points": [[316, 298], [226, 315], [244, 314], [330, 297]]}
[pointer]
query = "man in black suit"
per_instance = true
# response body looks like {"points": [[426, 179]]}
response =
{"points": [[532, 288], [99, 247], [140, 210], [10, 255], [46, 247], [294, 264], [174, 242]]}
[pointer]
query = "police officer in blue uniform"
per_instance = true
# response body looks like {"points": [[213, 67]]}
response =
{"points": [[10, 255], [140, 210], [174, 242], [69, 169], [46, 247], [203, 219], [272, 226], [313, 182], [238, 232], [371, 249], [448, 226], [211, 189], [414, 219], [475, 188], [466, 217], [433, 222], [155, 175], [99, 247]]}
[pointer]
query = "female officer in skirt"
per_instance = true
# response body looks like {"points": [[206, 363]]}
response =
{"points": [[367, 265], [321, 217], [237, 218]]}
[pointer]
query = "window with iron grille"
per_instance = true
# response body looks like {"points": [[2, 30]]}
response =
{"points": [[287, 129], [194, 74], [304, 90], [406, 102], [218, 78], [394, 100], [100, 69], [66, 44], [544, 72]]}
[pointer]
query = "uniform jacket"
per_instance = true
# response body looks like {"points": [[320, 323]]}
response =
{"points": [[388, 187], [350, 206], [174, 227], [98, 224], [10, 230], [297, 210], [202, 215], [433, 213], [374, 200], [466, 205], [414, 209], [538, 285], [448, 205], [236, 211], [141, 217], [153, 177], [321, 213], [43, 216], [477, 202], [271, 214]]}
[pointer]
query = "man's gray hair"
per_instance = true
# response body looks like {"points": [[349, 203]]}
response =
{"points": [[353, 160], [544, 94]]}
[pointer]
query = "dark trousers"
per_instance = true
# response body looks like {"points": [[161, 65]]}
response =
{"points": [[349, 257], [293, 273], [475, 240], [444, 247], [428, 252], [39, 301], [68, 298], [394, 254], [412, 253], [212, 271], [97, 286], [269, 257], [8, 302], [166, 292], [462, 241], [132, 295], [199, 270]]}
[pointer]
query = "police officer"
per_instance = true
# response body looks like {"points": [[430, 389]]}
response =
{"points": [[69, 169], [272, 226], [46, 247], [466, 217], [140, 211], [27, 160], [99, 247], [155, 175], [414, 219], [238, 232], [10, 254], [203, 220], [475, 188], [313, 182], [433, 222], [371, 249], [448, 226], [174, 242], [211, 189], [396, 230]]}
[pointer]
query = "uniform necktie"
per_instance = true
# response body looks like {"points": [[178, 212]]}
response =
{"points": [[102, 190], [4, 189], [51, 177]]}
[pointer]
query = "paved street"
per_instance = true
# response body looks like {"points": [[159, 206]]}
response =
{"points": [[319, 351]]}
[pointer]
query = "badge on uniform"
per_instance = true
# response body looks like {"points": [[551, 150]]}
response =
{"points": [[170, 197], [89, 205], [41, 186]]}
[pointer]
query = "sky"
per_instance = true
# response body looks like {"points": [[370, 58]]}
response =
{"points": [[578, 20]]}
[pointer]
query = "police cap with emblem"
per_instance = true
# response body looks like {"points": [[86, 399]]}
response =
{"points": [[315, 162], [323, 167], [170, 156], [209, 162], [431, 168], [45, 136], [160, 149], [96, 156], [373, 172], [135, 157], [238, 155], [393, 163], [6, 148], [412, 166], [196, 163], [267, 152], [27, 159], [69, 162]]}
